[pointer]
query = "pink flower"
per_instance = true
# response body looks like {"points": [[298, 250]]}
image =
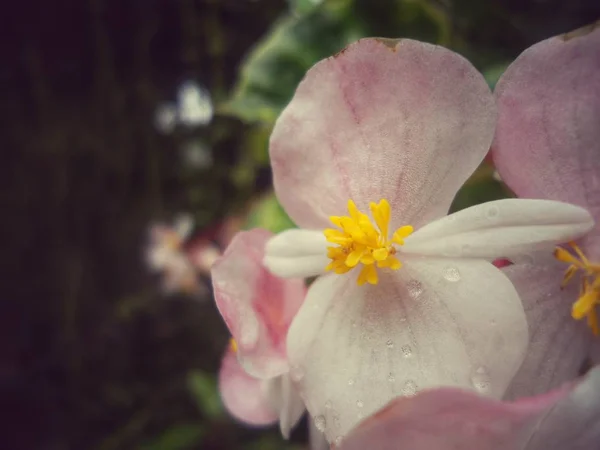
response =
{"points": [[166, 254], [547, 146], [451, 419], [258, 308], [406, 299]]}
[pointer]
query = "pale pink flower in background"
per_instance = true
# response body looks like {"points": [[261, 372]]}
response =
{"points": [[258, 308], [166, 255], [413, 301], [451, 419], [547, 146]]}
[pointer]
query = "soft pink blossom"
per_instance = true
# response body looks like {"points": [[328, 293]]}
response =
{"points": [[451, 419], [258, 308], [547, 146], [407, 122]]}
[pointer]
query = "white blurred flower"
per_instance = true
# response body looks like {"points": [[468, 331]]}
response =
{"points": [[194, 104]]}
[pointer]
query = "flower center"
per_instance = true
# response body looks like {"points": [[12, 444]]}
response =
{"points": [[360, 242], [589, 297]]}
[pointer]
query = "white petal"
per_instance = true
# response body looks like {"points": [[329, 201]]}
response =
{"points": [[432, 323], [297, 253], [502, 228], [558, 344], [284, 398]]}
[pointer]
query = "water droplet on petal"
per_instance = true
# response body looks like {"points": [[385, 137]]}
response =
{"points": [[409, 388], [328, 404], [481, 380], [492, 212], [493, 322], [391, 377], [320, 423], [451, 274], [415, 288], [338, 441], [359, 403], [350, 381], [406, 351], [389, 344]]}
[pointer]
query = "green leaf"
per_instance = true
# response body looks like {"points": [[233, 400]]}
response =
{"points": [[179, 437], [269, 214], [492, 74], [480, 188], [274, 68], [204, 390], [301, 7]]}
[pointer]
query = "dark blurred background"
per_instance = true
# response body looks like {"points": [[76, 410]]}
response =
{"points": [[118, 115]]}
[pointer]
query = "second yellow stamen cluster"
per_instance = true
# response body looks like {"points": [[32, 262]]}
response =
{"points": [[360, 242], [589, 296]]}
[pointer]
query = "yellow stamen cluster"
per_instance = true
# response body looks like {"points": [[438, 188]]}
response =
{"points": [[359, 242], [589, 296]]}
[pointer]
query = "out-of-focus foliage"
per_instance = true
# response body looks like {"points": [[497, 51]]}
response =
{"points": [[268, 213], [204, 390], [315, 30], [179, 437]]}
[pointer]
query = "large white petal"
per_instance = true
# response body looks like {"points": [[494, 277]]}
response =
{"points": [[297, 253], [503, 228], [432, 323]]}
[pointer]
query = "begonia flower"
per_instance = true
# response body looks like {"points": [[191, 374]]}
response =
{"points": [[407, 298], [258, 308], [166, 255], [452, 419], [547, 146]]}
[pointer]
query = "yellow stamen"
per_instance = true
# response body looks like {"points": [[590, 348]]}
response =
{"points": [[233, 347], [589, 296], [360, 242]]}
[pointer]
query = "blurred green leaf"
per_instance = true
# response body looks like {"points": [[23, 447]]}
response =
{"points": [[493, 73], [269, 214], [179, 437], [206, 393], [480, 188], [301, 7], [274, 68]]}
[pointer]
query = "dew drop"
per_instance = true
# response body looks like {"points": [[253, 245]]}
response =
{"points": [[406, 351], [296, 373], [481, 380], [359, 403], [389, 344], [338, 441], [391, 377], [493, 323], [492, 212], [328, 404], [320, 423], [451, 274], [415, 288], [409, 388], [351, 382]]}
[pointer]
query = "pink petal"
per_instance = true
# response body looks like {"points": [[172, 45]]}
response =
{"points": [[547, 142], [244, 396], [432, 323], [256, 306], [558, 344], [401, 120], [449, 419]]}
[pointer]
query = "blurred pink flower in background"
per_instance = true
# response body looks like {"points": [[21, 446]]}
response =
{"points": [[258, 308], [547, 146], [181, 257], [401, 123]]}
